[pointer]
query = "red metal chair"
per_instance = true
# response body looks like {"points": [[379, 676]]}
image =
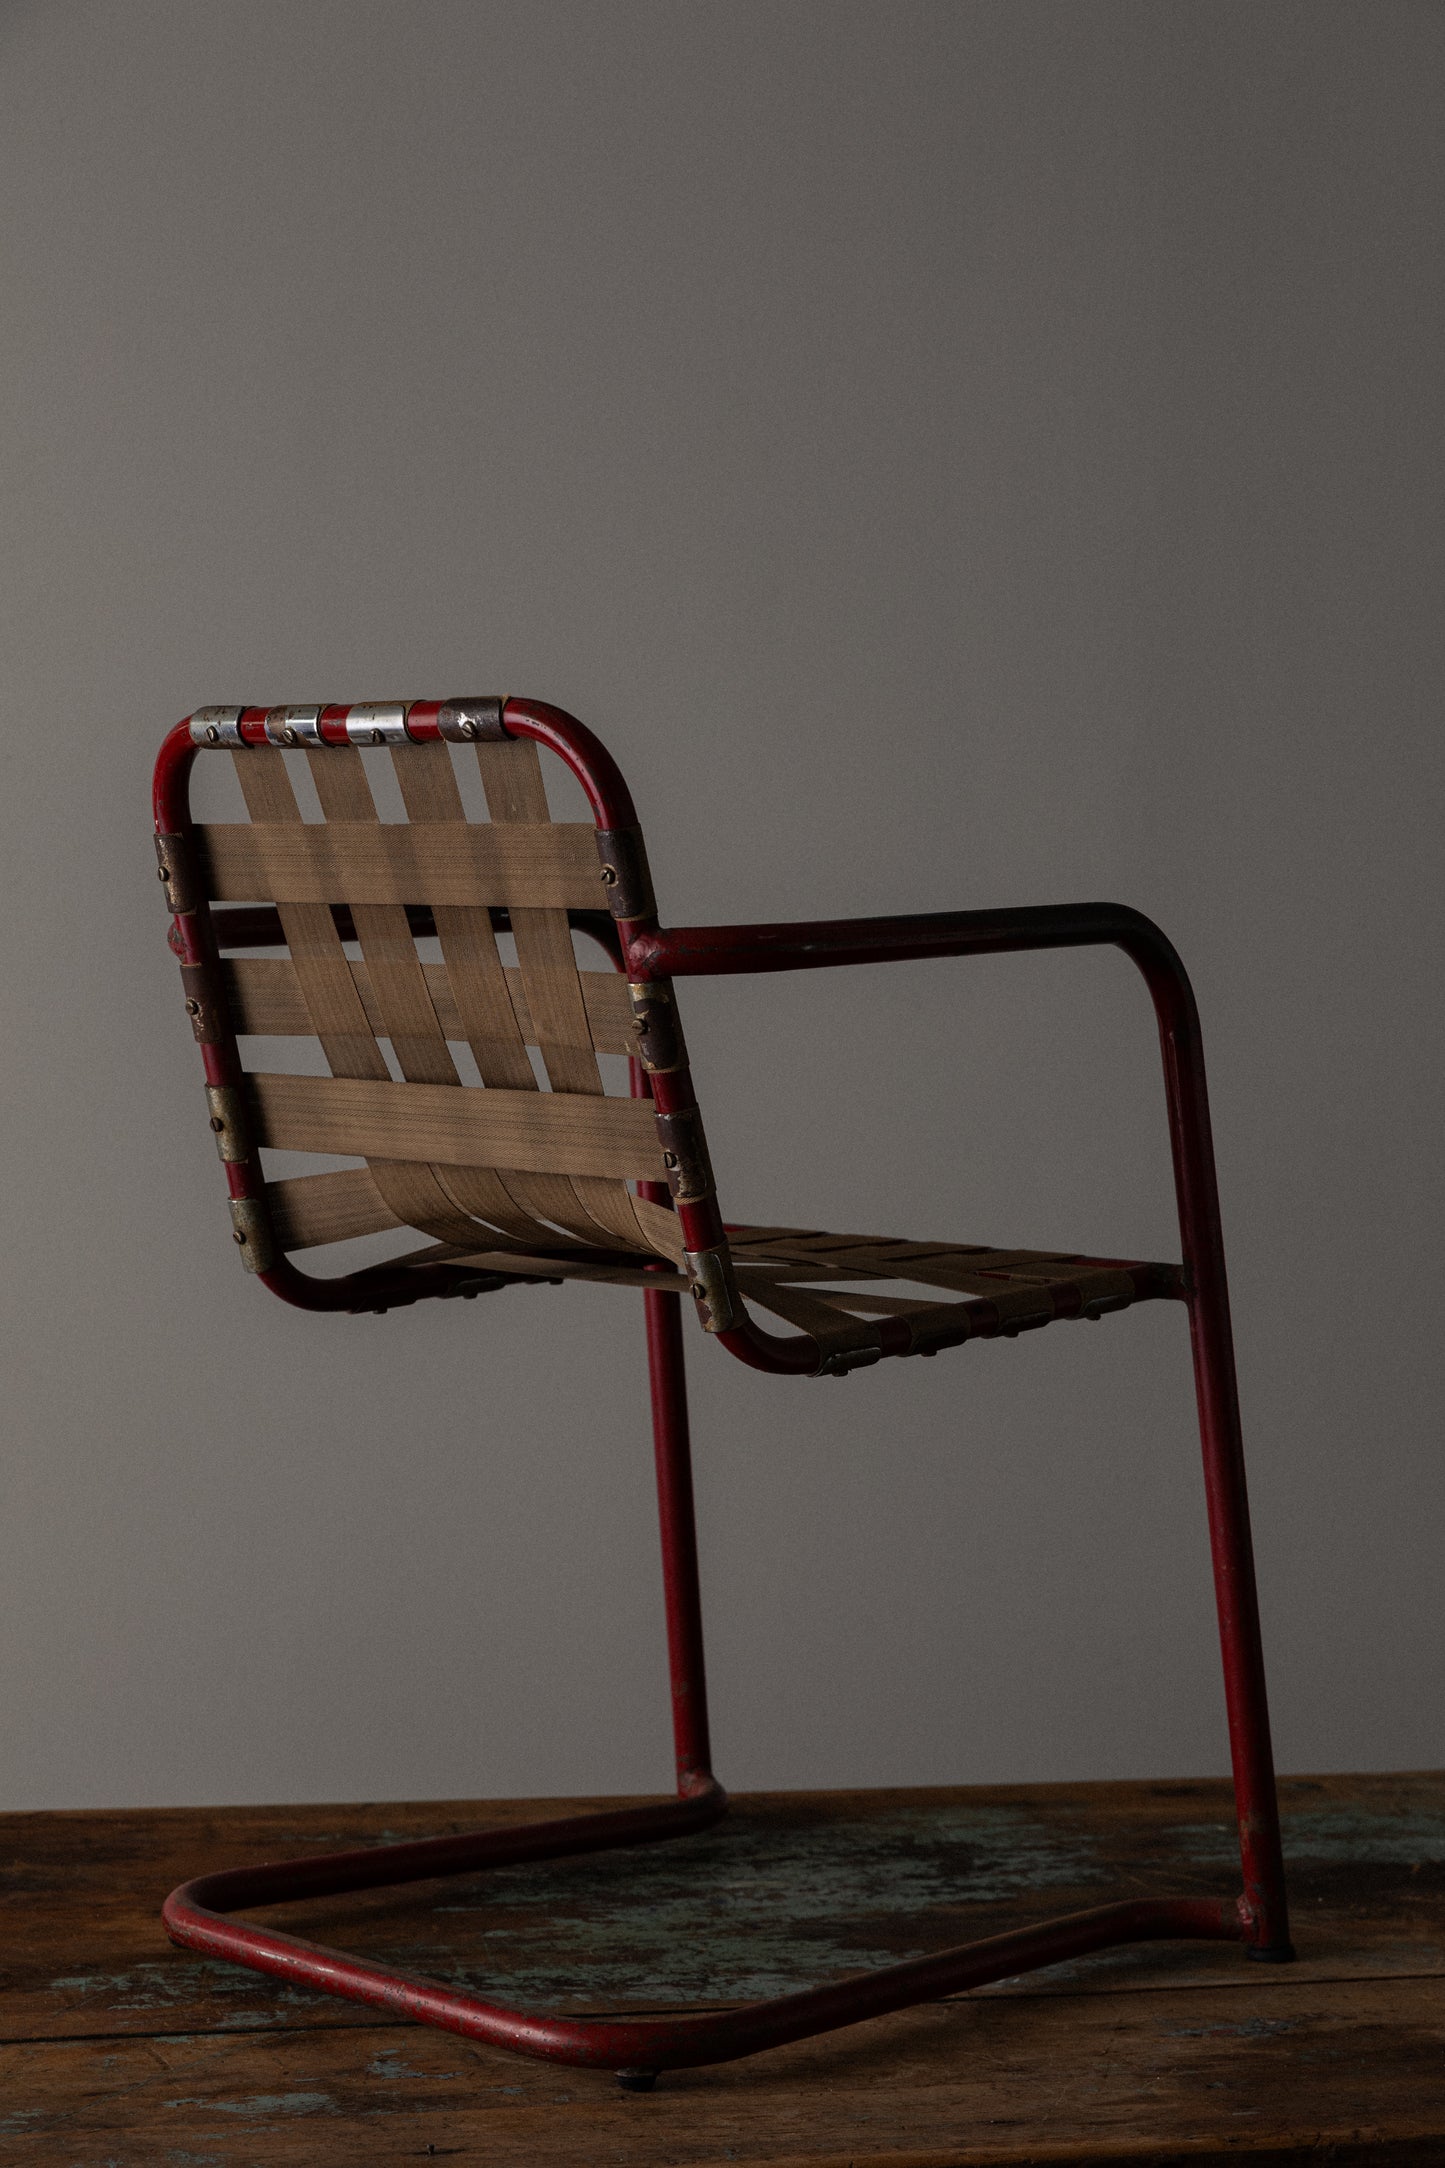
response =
{"points": [[513, 1183]]}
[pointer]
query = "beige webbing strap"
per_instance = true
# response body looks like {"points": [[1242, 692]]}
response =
{"points": [[337, 1015], [446, 1127], [552, 1266], [265, 999], [545, 1201], [309, 1209], [402, 1000], [930, 1324], [409, 1190], [282, 862], [1022, 1286], [834, 1330], [516, 794]]}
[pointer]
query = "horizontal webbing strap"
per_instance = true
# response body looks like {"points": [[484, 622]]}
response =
{"points": [[579, 1267], [458, 1125], [518, 864], [309, 1209], [266, 999], [835, 1331]]}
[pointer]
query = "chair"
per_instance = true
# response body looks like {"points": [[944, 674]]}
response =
{"points": [[511, 1183]]}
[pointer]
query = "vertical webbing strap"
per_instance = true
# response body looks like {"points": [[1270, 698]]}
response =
{"points": [[410, 1189], [518, 1202], [551, 983]]}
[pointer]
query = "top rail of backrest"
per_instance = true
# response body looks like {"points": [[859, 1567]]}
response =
{"points": [[628, 891]]}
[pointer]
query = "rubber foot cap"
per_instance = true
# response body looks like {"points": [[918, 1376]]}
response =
{"points": [[637, 2081]]}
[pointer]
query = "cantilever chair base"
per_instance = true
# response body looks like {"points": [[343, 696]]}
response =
{"points": [[512, 1183], [637, 2049]]}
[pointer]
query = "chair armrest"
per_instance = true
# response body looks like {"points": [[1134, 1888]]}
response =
{"points": [[700, 951], [693, 951], [810, 945]]}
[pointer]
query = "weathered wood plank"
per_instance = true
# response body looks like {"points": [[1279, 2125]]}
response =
{"points": [[791, 1889], [1276, 2070]]}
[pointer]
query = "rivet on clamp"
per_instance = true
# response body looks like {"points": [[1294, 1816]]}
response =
{"points": [[251, 1231], [714, 1288], [294, 726], [175, 863], [216, 726], [466, 722], [228, 1121], [626, 882], [201, 1006], [656, 1026], [684, 1155], [377, 722]]}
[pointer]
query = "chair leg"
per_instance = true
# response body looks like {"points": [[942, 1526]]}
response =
{"points": [[668, 1378], [1263, 1906], [1236, 1600]]}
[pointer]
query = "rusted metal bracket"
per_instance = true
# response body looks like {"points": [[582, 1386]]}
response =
{"points": [[176, 864], [684, 1154], [718, 1302], [252, 1232], [202, 1008], [657, 1026], [625, 877], [482, 1283], [230, 1120], [463, 722], [842, 1360]]}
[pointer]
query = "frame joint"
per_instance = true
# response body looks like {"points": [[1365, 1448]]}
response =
{"points": [[176, 866], [252, 1232], [625, 877], [656, 1026], [466, 722], [685, 1156], [202, 1007], [230, 1121], [714, 1288]]}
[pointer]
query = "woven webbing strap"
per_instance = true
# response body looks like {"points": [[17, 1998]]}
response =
{"points": [[801, 1275], [1022, 1288], [510, 1167]]}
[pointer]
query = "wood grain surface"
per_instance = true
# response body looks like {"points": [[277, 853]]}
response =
{"points": [[120, 2050]]}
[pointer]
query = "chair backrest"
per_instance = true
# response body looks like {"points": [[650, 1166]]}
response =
{"points": [[391, 932]]}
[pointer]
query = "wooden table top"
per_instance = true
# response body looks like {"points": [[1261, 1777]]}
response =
{"points": [[121, 2052]]}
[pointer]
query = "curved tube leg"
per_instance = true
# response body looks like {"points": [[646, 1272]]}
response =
{"points": [[1263, 1905]]}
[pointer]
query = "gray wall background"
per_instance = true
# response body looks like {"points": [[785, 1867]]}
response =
{"points": [[965, 454]]}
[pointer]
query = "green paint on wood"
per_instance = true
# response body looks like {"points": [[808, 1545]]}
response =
{"points": [[1354, 1836], [745, 1911], [261, 2105]]}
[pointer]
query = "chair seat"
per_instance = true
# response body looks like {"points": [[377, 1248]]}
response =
{"points": [[833, 1286]]}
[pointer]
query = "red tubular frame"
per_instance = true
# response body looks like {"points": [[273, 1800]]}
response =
{"points": [[637, 2049]]}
